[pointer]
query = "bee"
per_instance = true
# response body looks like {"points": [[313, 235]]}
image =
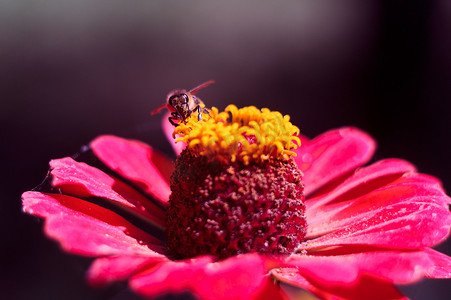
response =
{"points": [[182, 103]]}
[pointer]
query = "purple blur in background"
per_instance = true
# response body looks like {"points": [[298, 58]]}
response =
{"points": [[74, 70]]}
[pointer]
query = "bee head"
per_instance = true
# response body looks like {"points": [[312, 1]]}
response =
{"points": [[177, 97]]}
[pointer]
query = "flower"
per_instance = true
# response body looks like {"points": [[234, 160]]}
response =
{"points": [[348, 231]]}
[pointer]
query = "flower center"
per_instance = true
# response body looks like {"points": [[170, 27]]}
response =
{"points": [[236, 188]]}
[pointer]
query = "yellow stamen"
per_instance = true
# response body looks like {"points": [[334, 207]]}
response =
{"points": [[243, 134]]}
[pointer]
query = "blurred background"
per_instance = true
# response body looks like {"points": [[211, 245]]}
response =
{"points": [[72, 70]]}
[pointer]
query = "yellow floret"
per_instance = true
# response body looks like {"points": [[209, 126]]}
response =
{"points": [[246, 134]]}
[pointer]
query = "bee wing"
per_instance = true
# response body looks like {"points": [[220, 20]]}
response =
{"points": [[201, 86], [159, 108]]}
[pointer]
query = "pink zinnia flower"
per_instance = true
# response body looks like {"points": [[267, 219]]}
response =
{"points": [[242, 217]]}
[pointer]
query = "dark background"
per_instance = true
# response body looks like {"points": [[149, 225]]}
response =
{"points": [[71, 71]]}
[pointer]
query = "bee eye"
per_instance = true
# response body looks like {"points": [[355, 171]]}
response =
{"points": [[185, 97], [171, 100]]}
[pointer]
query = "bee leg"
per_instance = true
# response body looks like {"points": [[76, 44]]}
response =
{"points": [[199, 113], [206, 111], [171, 120]]}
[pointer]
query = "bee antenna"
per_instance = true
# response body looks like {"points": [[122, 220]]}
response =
{"points": [[201, 86]]}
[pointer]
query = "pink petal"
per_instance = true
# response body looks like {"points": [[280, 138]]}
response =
{"points": [[291, 277], [332, 155], [271, 291], [170, 277], [442, 264], [168, 129], [106, 270], [137, 162], [391, 216], [239, 277], [84, 228], [81, 180], [346, 270], [365, 288], [362, 181]]}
